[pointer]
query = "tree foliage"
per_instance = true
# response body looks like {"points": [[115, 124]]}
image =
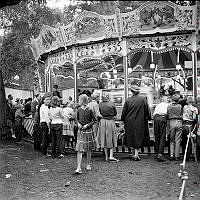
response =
{"points": [[20, 23]]}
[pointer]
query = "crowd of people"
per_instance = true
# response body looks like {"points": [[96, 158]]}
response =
{"points": [[90, 124]]}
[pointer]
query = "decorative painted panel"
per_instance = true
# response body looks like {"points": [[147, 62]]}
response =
{"points": [[48, 40], [150, 18], [160, 17]]}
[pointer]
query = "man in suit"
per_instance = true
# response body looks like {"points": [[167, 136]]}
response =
{"points": [[36, 128], [27, 107]]}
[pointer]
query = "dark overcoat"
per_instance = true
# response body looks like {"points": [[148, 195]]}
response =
{"points": [[135, 115]]}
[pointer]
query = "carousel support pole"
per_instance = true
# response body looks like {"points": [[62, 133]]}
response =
{"points": [[49, 82], [194, 53], [125, 65], [46, 81], [194, 63], [194, 67], [75, 75]]}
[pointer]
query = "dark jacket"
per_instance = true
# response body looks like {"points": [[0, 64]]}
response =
{"points": [[135, 115]]}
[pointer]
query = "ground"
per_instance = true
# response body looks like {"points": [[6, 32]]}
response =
{"points": [[26, 174]]}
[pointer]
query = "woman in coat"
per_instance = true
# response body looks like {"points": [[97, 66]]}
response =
{"points": [[135, 115]]}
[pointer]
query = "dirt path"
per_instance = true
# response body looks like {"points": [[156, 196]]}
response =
{"points": [[34, 177]]}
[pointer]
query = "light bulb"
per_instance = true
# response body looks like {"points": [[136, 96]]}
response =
{"points": [[130, 70], [114, 71], [152, 65], [178, 67], [16, 77]]}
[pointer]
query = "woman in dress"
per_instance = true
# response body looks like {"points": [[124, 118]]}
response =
{"points": [[68, 123], [94, 105], [85, 137], [107, 136]]}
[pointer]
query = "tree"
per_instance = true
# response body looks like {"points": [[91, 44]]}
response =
{"points": [[4, 21], [21, 22]]}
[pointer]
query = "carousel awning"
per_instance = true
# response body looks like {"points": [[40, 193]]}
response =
{"points": [[164, 59]]}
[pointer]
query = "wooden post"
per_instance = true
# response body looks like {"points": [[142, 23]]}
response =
{"points": [[2, 107], [125, 66]]}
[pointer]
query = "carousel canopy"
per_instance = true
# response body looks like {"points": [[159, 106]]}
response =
{"points": [[150, 18]]}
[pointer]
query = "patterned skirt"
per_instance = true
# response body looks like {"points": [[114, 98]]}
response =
{"points": [[85, 140], [107, 134]]}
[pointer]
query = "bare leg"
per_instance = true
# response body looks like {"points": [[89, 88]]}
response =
{"points": [[133, 151], [106, 153], [111, 155], [79, 160], [136, 153], [88, 158]]}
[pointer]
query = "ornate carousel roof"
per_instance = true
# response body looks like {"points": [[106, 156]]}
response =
{"points": [[149, 19]]}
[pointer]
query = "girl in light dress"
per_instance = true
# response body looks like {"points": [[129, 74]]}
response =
{"points": [[85, 137]]}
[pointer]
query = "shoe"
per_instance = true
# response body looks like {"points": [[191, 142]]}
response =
{"points": [[171, 158], [88, 167], [176, 158], [136, 158], [160, 159], [77, 172], [61, 156], [113, 159]]}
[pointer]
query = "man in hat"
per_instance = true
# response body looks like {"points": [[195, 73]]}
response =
{"points": [[175, 116], [135, 115]]}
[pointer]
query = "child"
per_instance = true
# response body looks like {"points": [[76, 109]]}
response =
{"points": [[85, 138], [189, 117], [18, 122], [56, 127], [174, 114]]}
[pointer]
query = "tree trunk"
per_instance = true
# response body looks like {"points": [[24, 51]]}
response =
{"points": [[2, 107]]}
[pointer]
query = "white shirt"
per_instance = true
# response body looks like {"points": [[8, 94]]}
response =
{"points": [[161, 108], [44, 114], [56, 115]]}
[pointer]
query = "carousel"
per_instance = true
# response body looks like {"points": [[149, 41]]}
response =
{"points": [[155, 46]]}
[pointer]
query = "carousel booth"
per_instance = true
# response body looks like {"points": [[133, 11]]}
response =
{"points": [[154, 47]]}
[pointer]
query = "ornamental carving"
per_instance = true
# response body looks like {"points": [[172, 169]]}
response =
{"points": [[99, 50], [60, 58], [158, 43]]}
